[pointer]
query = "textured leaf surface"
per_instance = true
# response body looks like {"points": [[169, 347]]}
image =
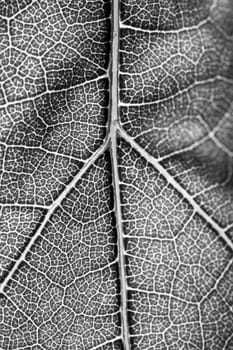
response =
{"points": [[116, 221]]}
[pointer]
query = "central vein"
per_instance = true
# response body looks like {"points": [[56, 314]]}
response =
{"points": [[114, 116]]}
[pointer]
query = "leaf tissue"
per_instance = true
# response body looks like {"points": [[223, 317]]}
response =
{"points": [[116, 175]]}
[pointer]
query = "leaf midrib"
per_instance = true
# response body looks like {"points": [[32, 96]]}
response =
{"points": [[114, 122]]}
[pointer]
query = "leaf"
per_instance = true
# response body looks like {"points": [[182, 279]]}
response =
{"points": [[116, 175]]}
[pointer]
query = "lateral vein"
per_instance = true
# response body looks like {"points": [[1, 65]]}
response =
{"points": [[51, 210], [178, 187]]}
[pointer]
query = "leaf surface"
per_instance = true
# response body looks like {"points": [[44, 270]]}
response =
{"points": [[116, 175]]}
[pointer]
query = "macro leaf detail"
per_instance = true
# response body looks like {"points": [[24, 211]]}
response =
{"points": [[116, 196]]}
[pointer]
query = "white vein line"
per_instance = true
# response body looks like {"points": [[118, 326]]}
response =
{"points": [[27, 206], [164, 31], [110, 341], [117, 204], [51, 210], [217, 281], [178, 187], [121, 250], [186, 90], [40, 148], [58, 91]]}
